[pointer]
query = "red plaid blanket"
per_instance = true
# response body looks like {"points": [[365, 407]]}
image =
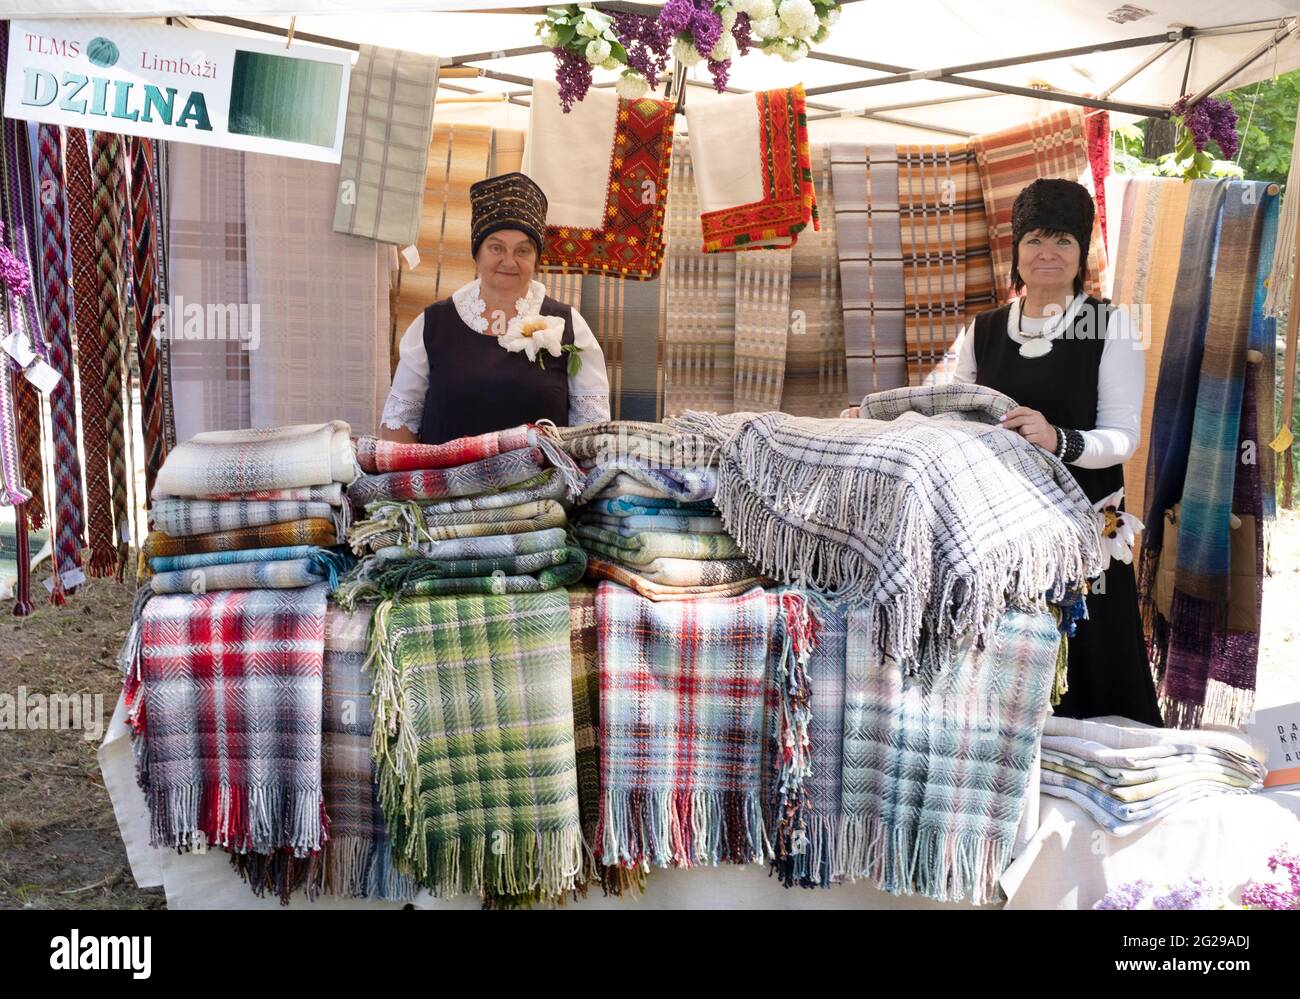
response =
{"points": [[224, 698]]}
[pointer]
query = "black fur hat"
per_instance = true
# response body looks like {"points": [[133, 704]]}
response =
{"points": [[1056, 206]]}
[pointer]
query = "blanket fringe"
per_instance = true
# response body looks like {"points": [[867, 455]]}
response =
{"points": [[681, 828], [360, 867], [820, 863], [257, 819], [280, 873], [905, 860]]}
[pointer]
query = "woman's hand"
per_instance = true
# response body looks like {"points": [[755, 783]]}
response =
{"points": [[1032, 426], [851, 413]]}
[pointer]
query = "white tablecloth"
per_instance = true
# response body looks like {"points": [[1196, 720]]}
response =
{"points": [[1068, 861]]}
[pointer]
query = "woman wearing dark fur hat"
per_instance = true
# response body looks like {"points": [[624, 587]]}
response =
{"points": [[1075, 365], [499, 351]]}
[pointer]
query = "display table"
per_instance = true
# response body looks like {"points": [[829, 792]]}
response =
{"points": [[1066, 862]]}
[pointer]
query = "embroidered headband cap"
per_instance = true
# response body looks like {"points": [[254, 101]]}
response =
{"points": [[1057, 206], [508, 201]]}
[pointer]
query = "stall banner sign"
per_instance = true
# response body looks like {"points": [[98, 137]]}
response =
{"points": [[180, 85], [1279, 729]]}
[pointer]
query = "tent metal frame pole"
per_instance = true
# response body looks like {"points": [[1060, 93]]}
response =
{"points": [[1291, 26], [1150, 60]]}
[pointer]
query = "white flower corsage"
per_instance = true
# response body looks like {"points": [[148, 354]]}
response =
{"points": [[1119, 528], [537, 335]]}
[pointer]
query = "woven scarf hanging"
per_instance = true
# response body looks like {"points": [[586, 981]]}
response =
{"points": [[90, 368], [69, 520], [145, 274]]}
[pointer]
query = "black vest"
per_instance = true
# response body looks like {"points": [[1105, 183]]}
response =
{"points": [[1062, 384], [476, 386]]}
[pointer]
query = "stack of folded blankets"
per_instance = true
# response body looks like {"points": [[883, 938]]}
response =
{"points": [[251, 509], [1126, 775], [481, 514], [224, 662], [647, 517]]}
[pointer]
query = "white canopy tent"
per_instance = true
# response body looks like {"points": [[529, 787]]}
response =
{"points": [[928, 70]]}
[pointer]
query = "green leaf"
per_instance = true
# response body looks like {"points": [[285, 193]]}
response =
{"points": [[618, 52], [559, 13], [566, 33], [574, 365]]}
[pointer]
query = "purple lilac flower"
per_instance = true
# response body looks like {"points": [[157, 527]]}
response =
{"points": [[13, 272], [675, 15], [719, 71], [1270, 895], [1194, 893], [740, 32], [648, 42], [573, 74], [706, 26], [1208, 119], [1127, 896]]}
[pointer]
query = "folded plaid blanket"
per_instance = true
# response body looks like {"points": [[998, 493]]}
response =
{"points": [[502, 470], [924, 510], [358, 858], [1121, 743], [244, 461], [404, 523], [228, 732], [1122, 820], [688, 571], [650, 506], [632, 525], [547, 485], [1175, 765], [473, 744], [935, 777], [378, 457], [187, 517], [334, 494], [683, 726], [398, 577], [646, 546], [652, 445], [285, 574], [313, 531], [598, 568], [1139, 794], [170, 563], [623, 477]]}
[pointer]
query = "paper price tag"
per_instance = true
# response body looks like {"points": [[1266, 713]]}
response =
{"points": [[43, 376], [17, 347], [412, 257], [1282, 441]]}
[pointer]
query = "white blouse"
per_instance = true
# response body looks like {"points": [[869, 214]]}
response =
{"points": [[588, 389], [1121, 378]]}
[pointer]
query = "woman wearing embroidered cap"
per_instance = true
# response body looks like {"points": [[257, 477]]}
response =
{"points": [[1075, 365], [499, 352]]}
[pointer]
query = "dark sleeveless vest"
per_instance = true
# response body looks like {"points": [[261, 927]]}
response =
{"points": [[1062, 384], [476, 387]]}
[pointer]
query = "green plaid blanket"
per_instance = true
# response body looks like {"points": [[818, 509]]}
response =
{"points": [[473, 743], [646, 546]]}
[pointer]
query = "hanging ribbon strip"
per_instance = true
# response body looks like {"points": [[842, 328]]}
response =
{"points": [[16, 165], [90, 353], [108, 258], [68, 518], [144, 210], [160, 239]]}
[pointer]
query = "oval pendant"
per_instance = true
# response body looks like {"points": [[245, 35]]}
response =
{"points": [[1035, 348]]}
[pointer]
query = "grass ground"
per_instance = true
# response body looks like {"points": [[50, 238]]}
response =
{"points": [[59, 846]]}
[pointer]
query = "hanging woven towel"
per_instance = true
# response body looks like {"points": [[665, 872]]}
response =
{"points": [[753, 169], [386, 145], [604, 167]]}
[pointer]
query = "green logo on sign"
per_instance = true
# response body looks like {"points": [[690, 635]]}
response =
{"points": [[102, 52]]}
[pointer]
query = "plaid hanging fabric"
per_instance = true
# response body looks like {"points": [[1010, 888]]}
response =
{"points": [[69, 524], [144, 211], [108, 263], [160, 226], [90, 370]]}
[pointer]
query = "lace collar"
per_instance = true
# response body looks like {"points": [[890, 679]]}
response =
{"points": [[469, 303], [1051, 327]]}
